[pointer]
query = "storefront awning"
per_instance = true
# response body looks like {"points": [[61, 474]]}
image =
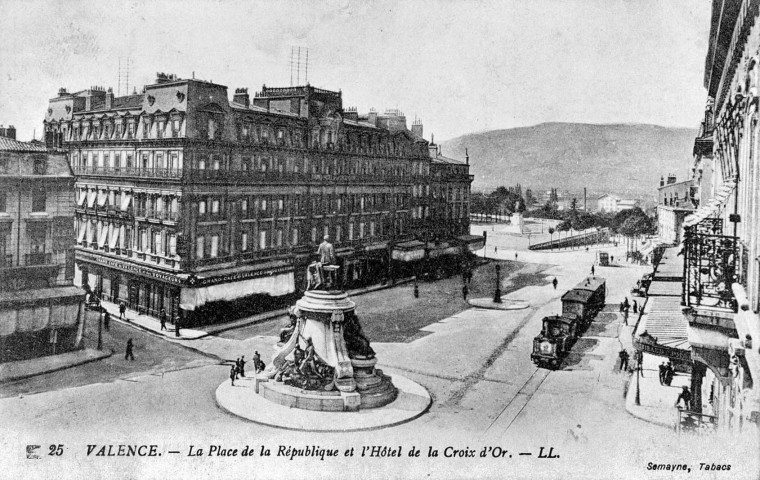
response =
{"points": [[408, 251], [713, 206], [662, 329], [274, 285]]}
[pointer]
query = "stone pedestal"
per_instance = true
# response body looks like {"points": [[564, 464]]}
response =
{"points": [[355, 383]]}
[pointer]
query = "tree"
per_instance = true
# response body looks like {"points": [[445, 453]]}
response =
{"points": [[551, 240], [530, 200]]}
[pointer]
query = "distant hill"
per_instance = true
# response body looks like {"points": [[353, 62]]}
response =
{"points": [[626, 159]]}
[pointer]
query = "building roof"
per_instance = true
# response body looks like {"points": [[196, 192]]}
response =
{"points": [[11, 145], [443, 159]]}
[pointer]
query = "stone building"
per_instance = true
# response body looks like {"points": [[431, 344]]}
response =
{"points": [[40, 310], [211, 208], [674, 202], [720, 292]]}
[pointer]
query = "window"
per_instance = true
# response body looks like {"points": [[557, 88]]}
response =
{"points": [[263, 239], [279, 237], [202, 207], [264, 205], [294, 237], [3, 200], [199, 246], [351, 231], [202, 162], [338, 231], [160, 131], [175, 127], [37, 236], [39, 199], [244, 242], [216, 162], [280, 204], [211, 128], [215, 206], [214, 246], [361, 229], [244, 205], [40, 165]]}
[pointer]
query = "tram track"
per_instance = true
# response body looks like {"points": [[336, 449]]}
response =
{"points": [[507, 416]]}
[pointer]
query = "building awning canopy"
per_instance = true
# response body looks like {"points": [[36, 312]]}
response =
{"points": [[273, 285], [713, 206], [663, 329], [408, 251]]}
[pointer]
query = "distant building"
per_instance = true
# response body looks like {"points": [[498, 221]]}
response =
{"points": [[609, 203], [40, 311], [674, 204]]}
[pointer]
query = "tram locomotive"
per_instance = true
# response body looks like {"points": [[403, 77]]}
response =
{"points": [[559, 332]]}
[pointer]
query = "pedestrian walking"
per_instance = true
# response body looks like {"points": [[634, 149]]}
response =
{"points": [[612, 258], [663, 369], [106, 320], [162, 318], [242, 366], [495, 249], [122, 310], [592, 271], [635, 307], [515, 256], [232, 375], [129, 355], [237, 368], [555, 282], [685, 395], [416, 290], [626, 305], [623, 360], [625, 317], [465, 291], [668, 374], [176, 328]]}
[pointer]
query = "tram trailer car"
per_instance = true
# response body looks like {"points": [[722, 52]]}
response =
{"points": [[585, 300], [558, 334]]}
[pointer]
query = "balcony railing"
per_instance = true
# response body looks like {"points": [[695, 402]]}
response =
{"points": [[157, 214], [128, 171], [38, 258]]}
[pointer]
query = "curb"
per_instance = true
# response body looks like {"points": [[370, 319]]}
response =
{"points": [[57, 369]]}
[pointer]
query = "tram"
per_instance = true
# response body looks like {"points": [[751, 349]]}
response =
{"points": [[559, 332]]}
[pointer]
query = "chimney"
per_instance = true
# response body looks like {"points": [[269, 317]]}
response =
{"points": [[109, 99], [671, 179], [242, 97], [417, 128], [62, 92], [351, 114], [466, 156], [10, 132], [432, 147], [372, 117], [662, 181]]}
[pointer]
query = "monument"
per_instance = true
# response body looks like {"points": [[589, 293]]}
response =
{"points": [[324, 361]]}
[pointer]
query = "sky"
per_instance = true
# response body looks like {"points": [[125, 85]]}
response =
{"points": [[459, 66]]}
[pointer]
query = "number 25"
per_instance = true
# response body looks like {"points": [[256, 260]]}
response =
{"points": [[56, 450]]}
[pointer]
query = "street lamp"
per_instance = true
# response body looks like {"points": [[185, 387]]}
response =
{"points": [[497, 293], [639, 358]]}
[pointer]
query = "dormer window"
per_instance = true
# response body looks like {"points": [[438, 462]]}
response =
{"points": [[212, 127], [40, 166]]}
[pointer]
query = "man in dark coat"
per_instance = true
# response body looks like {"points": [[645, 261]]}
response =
{"points": [[122, 310], [555, 282], [635, 307], [685, 395], [663, 368], [465, 291], [623, 360], [106, 320], [232, 375], [242, 366], [162, 318], [129, 355]]}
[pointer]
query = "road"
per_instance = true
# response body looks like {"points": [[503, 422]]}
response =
{"points": [[475, 363]]}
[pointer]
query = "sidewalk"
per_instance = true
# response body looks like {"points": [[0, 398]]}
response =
{"points": [[50, 363], [657, 401], [152, 324]]}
